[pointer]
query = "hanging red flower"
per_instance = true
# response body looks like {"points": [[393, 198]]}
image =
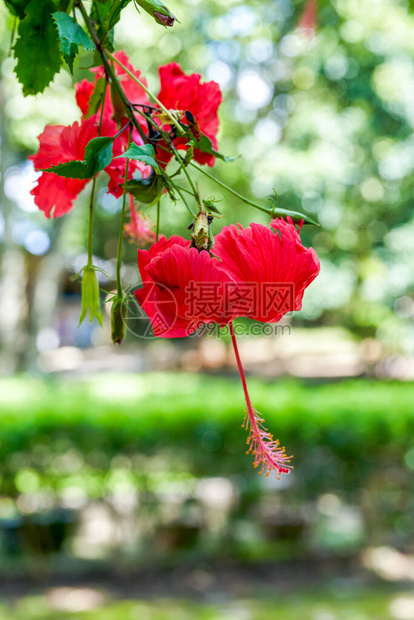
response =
{"points": [[260, 272], [59, 144], [187, 93], [272, 263], [184, 288]]}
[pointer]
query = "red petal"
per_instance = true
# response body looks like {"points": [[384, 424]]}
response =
{"points": [[188, 290], [56, 192], [280, 265], [186, 92], [84, 90]]}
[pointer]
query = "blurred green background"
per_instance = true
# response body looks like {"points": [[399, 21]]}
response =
{"points": [[125, 491]]}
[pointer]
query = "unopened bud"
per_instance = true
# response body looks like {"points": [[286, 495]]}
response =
{"points": [[118, 316], [158, 11], [165, 20], [90, 296]]}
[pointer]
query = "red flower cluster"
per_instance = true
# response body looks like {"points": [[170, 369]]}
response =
{"points": [[259, 272], [58, 144]]}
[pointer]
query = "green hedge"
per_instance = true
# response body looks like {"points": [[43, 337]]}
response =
{"points": [[188, 423]]}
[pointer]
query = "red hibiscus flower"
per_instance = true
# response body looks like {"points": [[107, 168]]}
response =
{"points": [[272, 263], [132, 90], [59, 144], [186, 92], [266, 266], [183, 288]]}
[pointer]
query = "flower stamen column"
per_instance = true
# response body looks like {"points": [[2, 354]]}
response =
{"points": [[267, 451]]}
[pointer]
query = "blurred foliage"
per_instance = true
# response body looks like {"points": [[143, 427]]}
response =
{"points": [[326, 120], [123, 440]]}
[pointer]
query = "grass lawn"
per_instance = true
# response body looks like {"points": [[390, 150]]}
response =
{"points": [[340, 603]]}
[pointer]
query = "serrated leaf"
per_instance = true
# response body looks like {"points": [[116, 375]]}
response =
{"points": [[17, 7], [70, 170], [37, 48], [144, 153], [205, 146], [98, 155], [71, 36]]}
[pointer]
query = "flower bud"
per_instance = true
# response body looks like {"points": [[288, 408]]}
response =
{"points": [[158, 10], [118, 316], [90, 296]]}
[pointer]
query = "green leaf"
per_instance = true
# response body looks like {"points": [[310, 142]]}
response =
{"points": [[71, 37], [37, 48], [17, 7], [106, 13], [98, 155], [115, 13], [70, 170], [145, 153], [100, 15], [205, 146], [146, 191]]}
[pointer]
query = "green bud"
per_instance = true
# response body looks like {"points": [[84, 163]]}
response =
{"points": [[158, 11], [118, 316], [90, 296]]}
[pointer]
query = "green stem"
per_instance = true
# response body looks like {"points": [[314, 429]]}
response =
{"points": [[170, 182], [149, 93], [184, 169], [157, 234], [12, 36], [109, 71], [121, 227], [176, 154], [183, 199], [90, 225], [232, 191], [92, 198], [164, 174]]}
